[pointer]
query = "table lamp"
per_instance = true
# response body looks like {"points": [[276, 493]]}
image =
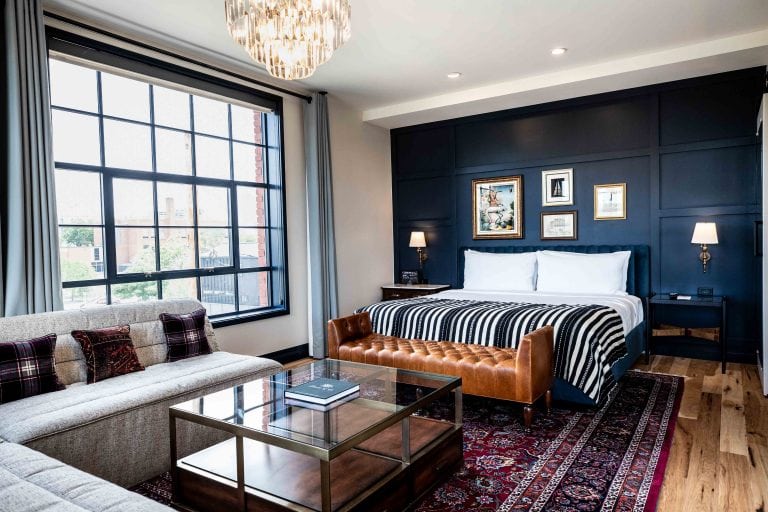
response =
{"points": [[705, 233]]}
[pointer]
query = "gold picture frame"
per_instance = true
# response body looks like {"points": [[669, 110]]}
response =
{"points": [[497, 208], [611, 201]]}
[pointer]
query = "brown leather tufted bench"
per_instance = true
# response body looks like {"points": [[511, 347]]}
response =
{"points": [[522, 375]]}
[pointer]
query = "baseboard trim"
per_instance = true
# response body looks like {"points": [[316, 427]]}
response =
{"points": [[288, 355]]}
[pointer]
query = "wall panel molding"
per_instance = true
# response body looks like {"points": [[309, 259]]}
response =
{"points": [[706, 170]]}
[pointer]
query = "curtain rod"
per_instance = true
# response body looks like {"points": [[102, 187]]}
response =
{"points": [[167, 53]]}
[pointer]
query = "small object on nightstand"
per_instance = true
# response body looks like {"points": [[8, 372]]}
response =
{"points": [[673, 295], [409, 291], [409, 277]]}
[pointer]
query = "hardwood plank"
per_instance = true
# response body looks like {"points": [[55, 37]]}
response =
{"points": [[694, 380], [755, 405], [680, 366], [733, 428], [758, 476], [689, 404], [662, 364], [734, 486], [673, 496], [713, 384], [700, 487]]}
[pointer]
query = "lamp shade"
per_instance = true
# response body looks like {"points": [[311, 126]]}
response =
{"points": [[704, 233], [417, 239]]}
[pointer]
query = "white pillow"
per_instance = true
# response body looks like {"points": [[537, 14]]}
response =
{"points": [[573, 272], [490, 271]]}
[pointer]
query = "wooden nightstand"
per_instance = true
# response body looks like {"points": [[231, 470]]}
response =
{"points": [[715, 334], [408, 291]]}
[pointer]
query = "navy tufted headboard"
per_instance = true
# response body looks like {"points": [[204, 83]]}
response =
{"points": [[638, 272]]}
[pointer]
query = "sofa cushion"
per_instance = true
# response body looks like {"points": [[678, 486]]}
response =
{"points": [[146, 331], [108, 352], [32, 482], [185, 335], [46, 415], [26, 368]]}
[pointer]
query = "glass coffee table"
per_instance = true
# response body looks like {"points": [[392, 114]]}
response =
{"points": [[383, 449]]}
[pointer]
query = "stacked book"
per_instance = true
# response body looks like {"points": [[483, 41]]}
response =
{"points": [[322, 394]]}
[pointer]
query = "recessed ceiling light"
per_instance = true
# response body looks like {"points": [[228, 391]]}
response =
{"points": [[453, 74], [559, 51]]}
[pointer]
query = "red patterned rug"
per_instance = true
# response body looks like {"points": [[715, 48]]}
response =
{"points": [[612, 458]]}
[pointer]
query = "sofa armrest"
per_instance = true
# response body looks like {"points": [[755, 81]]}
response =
{"points": [[348, 328], [534, 373]]}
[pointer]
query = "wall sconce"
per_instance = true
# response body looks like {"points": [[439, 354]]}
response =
{"points": [[419, 242], [704, 233]]}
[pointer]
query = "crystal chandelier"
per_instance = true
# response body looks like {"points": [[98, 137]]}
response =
{"points": [[291, 37]]}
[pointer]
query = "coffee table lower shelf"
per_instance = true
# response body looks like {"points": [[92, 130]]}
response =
{"points": [[370, 477]]}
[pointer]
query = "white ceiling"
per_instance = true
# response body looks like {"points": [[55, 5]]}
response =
{"points": [[393, 69]]}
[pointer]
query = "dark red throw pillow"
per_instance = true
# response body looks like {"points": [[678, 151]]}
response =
{"points": [[27, 368], [185, 334], [109, 352]]}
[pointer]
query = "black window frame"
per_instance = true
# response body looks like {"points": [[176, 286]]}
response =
{"points": [[98, 52]]}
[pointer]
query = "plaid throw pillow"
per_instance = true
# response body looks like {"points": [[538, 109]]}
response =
{"points": [[27, 368], [108, 352], [185, 334]]}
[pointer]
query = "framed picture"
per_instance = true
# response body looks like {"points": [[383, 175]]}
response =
{"points": [[611, 201], [559, 225], [557, 187], [497, 207]]}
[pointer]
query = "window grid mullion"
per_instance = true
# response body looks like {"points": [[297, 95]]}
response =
{"points": [[110, 236], [267, 194], [193, 148], [267, 205], [155, 213], [235, 231]]}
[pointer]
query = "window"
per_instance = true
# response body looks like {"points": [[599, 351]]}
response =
{"points": [[166, 191]]}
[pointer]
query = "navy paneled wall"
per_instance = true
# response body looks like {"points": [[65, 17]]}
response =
{"points": [[686, 150]]}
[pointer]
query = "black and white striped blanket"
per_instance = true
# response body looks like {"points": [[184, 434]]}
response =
{"points": [[588, 338]]}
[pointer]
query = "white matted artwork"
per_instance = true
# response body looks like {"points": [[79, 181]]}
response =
{"points": [[611, 201], [557, 187], [559, 225]]}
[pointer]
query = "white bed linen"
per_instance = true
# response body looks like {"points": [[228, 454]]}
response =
{"points": [[629, 307]]}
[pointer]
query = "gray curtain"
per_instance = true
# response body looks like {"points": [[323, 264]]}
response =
{"points": [[324, 303], [29, 258]]}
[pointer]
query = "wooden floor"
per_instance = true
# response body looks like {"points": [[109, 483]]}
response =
{"points": [[719, 458]]}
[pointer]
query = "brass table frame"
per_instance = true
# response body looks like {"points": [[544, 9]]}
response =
{"points": [[325, 456]]}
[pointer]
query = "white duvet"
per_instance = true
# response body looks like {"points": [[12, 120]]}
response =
{"points": [[629, 307]]}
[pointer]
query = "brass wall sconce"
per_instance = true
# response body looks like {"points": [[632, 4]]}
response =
{"points": [[705, 233], [419, 241]]}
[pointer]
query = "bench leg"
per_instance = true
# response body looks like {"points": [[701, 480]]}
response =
{"points": [[527, 416], [548, 400]]}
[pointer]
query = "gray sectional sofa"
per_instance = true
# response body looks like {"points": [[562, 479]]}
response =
{"points": [[117, 429]]}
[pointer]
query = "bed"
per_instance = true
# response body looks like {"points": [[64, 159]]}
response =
{"points": [[598, 337]]}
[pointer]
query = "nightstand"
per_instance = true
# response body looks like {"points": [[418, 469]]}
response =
{"points": [[716, 334], [408, 291]]}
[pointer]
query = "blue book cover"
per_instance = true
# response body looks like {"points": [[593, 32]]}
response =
{"points": [[322, 391]]}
